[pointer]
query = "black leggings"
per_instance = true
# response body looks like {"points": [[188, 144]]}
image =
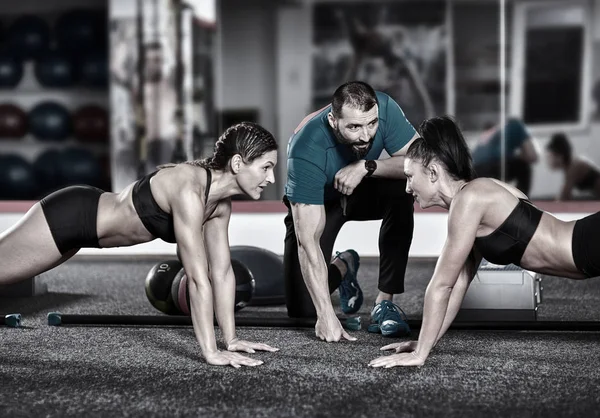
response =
{"points": [[373, 199], [71, 215], [586, 245]]}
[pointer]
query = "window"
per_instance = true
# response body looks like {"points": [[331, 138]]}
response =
{"points": [[551, 56]]}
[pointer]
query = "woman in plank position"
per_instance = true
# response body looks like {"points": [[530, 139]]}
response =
{"points": [[188, 204], [487, 218]]}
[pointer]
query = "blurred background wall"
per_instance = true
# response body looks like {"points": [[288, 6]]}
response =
{"points": [[122, 100]]}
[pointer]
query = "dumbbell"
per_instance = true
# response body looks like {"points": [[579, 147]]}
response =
{"points": [[167, 287]]}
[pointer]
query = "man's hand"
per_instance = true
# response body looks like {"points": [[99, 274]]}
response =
{"points": [[249, 347], [329, 328], [226, 358], [349, 177], [402, 359]]}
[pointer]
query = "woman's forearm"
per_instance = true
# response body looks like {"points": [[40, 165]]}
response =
{"points": [[201, 307], [457, 296], [224, 299], [434, 313]]}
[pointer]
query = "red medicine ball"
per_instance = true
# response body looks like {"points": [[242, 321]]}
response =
{"points": [[13, 121], [90, 124]]}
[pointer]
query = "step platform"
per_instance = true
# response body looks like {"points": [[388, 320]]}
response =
{"points": [[502, 293], [26, 288]]}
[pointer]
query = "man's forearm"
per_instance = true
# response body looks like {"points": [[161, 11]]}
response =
{"points": [[391, 168], [314, 271]]}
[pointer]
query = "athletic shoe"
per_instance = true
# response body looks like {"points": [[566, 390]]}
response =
{"points": [[351, 295], [388, 319]]}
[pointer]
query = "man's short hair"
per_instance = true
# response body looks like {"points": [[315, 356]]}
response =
{"points": [[356, 94]]}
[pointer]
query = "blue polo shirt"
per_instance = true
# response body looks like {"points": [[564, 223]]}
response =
{"points": [[315, 155], [489, 147]]}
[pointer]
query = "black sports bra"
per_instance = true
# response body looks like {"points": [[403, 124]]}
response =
{"points": [[508, 242], [158, 222]]}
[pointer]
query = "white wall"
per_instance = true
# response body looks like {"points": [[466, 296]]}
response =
{"points": [[245, 62], [294, 75]]}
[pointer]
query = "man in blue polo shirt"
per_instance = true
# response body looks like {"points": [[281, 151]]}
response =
{"points": [[334, 176]]}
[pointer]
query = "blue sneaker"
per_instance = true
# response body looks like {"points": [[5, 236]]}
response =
{"points": [[388, 319], [351, 295]]}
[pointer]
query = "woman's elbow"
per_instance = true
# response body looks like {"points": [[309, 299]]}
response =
{"points": [[222, 276], [198, 283], [439, 289]]}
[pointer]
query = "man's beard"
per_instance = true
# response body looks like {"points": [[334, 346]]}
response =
{"points": [[357, 152]]}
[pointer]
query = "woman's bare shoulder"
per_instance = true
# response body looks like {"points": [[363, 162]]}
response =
{"points": [[483, 193], [487, 187], [181, 178]]}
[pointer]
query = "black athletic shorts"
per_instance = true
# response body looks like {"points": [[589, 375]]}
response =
{"points": [[71, 215], [586, 245]]}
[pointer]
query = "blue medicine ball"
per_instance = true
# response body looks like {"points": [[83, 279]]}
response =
{"points": [[80, 166], [93, 70], [81, 30], [11, 71], [17, 178], [28, 37], [54, 69], [50, 121]]}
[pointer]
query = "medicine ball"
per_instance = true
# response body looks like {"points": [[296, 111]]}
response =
{"points": [[267, 269], [80, 30], [11, 71], [50, 120], [158, 285], [90, 124], [93, 70], [13, 121], [28, 37], [54, 69], [80, 166], [47, 170], [17, 178]]}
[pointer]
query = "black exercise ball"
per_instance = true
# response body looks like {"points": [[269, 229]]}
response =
{"points": [[55, 69], [158, 285], [80, 30], [50, 121], [47, 171], [245, 285], [28, 37], [11, 71], [17, 178], [267, 270], [93, 70], [80, 166]]}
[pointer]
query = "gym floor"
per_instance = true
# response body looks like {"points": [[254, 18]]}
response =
{"points": [[155, 371]]}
